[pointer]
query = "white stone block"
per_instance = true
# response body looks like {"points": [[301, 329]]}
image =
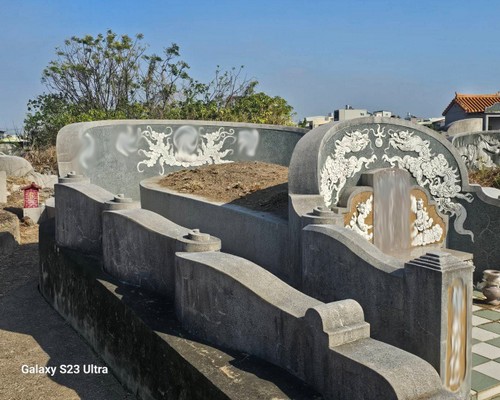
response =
{"points": [[3, 187], [33, 213]]}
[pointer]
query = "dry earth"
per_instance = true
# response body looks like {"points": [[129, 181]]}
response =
{"points": [[255, 185], [32, 333]]}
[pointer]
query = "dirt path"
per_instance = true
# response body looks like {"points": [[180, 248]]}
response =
{"points": [[32, 333]]}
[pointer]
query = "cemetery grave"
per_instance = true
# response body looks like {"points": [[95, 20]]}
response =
{"points": [[366, 263]]}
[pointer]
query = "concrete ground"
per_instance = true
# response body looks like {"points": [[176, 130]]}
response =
{"points": [[32, 333]]}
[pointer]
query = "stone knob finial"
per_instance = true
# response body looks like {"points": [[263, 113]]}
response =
{"points": [[322, 211], [73, 177], [120, 202], [196, 241], [120, 198], [197, 236]]}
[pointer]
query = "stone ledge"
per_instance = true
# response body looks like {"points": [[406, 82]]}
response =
{"points": [[137, 335]]}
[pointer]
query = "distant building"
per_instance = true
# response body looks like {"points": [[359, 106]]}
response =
{"points": [[382, 113], [483, 108], [338, 115], [349, 113], [436, 123], [313, 122]]}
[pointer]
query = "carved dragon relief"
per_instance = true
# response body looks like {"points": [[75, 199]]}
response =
{"points": [[480, 153], [430, 170], [186, 146]]}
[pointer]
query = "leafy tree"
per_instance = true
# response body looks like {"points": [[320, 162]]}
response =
{"points": [[112, 77], [303, 123], [262, 109], [47, 114], [96, 73]]}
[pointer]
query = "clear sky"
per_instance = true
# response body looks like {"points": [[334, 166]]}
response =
{"points": [[403, 56]]}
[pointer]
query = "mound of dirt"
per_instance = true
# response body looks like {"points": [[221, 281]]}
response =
{"points": [[255, 185]]}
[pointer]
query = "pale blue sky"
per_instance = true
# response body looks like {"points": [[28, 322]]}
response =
{"points": [[404, 56]]}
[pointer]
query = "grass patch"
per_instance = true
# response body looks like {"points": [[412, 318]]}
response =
{"points": [[487, 177], [43, 160]]}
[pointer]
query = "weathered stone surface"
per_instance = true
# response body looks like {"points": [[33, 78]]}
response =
{"points": [[444, 339], [257, 236], [330, 159], [50, 208], [15, 166], [145, 256], [491, 192], [465, 125], [117, 155], [33, 213], [73, 177], [196, 241], [229, 301], [483, 218], [121, 202], [138, 337], [42, 180], [338, 265], [478, 149], [407, 307], [79, 208]]}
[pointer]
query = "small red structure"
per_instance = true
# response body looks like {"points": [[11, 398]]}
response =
{"points": [[31, 195]]}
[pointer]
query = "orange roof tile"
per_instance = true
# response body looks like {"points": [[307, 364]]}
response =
{"points": [[473, 103]]}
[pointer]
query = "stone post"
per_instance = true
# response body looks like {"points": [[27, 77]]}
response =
{"points": [[3, 187], [304, 210], [438, 306]]}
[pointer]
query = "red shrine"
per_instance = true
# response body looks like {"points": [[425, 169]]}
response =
{"points": [[31, 195]]}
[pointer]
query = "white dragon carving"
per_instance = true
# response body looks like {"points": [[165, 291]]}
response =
{"points": [[339, 166], [186, 147], [431, 171]]}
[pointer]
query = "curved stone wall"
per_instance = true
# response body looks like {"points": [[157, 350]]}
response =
{"points": [[117, 155], [479, 149]]}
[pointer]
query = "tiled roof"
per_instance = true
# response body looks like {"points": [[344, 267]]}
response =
{"points": [[473, 103]]}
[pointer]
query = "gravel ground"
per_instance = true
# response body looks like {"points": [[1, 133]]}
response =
{"points": [[32, 333]]}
